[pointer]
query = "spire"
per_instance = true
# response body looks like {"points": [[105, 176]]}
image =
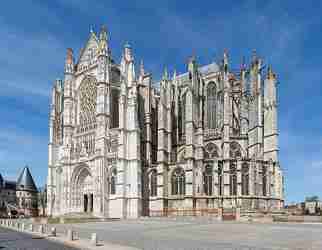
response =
{"points": [[69, 56], [142, 73], [174, 77], [103, 33], [127, 54], [192, 63], [165, 74], [69, 62], [243, 65], [254, 57], [25, 181], [225, 60], [270, 73], [103, 44]]}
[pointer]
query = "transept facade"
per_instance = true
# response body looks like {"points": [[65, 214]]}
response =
{"points": [[122, 145]]}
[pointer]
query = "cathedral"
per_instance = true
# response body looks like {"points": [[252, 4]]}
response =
{"points": [[123, 145]]}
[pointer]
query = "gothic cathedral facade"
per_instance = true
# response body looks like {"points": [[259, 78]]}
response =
{"points": [[122, 146]]}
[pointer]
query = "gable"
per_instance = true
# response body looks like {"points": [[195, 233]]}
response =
{"points": [[88, 53]]}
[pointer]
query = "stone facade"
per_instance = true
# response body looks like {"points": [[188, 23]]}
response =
{"points": [[122, 145], [20, 196]]}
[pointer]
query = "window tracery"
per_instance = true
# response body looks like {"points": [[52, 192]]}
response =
{"points": [[112, 181], [220, 177], [234, 150], [178, 182], [264, 180], [233, 178], [153, 183], [115, 108], [211, 151], [245, 179], [211, 106], [208, 180], [87, 103]]}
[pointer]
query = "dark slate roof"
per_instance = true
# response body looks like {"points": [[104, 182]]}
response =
{"points": [[11, 185], [25, 181], [1, 181]]}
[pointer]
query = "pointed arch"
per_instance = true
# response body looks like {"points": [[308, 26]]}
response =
{"points": [[153, 183], [211, 105], [245, 178], [208, 180], [87, 93], [112, 180], [211, 151], [115, 94], [178, 181], [82, 187], [233, 178], [235, 150], [182, 112]]}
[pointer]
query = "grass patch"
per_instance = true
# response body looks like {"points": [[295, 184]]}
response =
{"points": [[52, 220]]}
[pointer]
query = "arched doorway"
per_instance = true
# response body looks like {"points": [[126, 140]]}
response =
{"points": [[82, 190]]}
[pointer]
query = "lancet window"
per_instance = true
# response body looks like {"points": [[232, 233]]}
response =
{"points": [[112, 181], [178, 182], [208, 180], [153, 183], [233, 178], [115, 108], [245, 179], [211, 105]]}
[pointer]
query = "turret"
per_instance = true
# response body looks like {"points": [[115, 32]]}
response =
{"points": [[68, 97], [69, 62], [127, 65], [270, 117], [255, 115], [243, 76], [193, 74], [226, 126], [103, 105], [244, 100]]}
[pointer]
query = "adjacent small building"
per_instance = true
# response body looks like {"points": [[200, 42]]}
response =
{"points": [[20, 195]]}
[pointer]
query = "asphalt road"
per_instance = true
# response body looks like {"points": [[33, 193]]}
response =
{"points": [[13, 240], [155, 234]]}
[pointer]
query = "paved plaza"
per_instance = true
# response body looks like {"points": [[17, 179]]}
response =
{"points": [[170, 234], [13, 240]]}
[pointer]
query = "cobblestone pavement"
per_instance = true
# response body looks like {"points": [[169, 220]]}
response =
{"points": [[153, 234], [12, 240]]}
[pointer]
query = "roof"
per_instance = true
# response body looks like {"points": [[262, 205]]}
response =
{"points": [[204, 70], [11, 185], [25, 181]]}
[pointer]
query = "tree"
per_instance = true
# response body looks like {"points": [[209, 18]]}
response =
{"points": [[313, 198]]}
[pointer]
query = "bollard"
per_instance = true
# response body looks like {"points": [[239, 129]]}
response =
{"points": [[41, 229], [53, 231], [70, 234], [31, 227], [94, 239], [23, 227]]}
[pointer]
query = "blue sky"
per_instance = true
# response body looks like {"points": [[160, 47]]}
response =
{"points": [[35, 34]]}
